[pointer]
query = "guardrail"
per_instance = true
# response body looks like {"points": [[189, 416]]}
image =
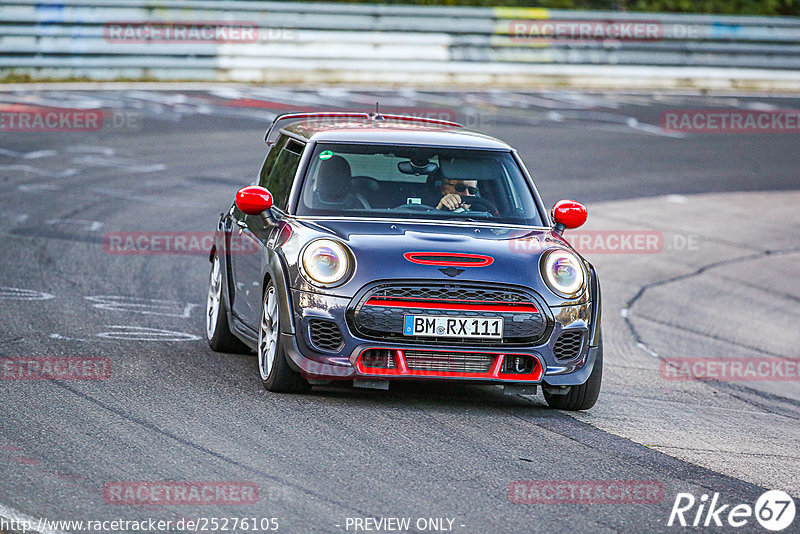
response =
{"points": [[317, 42]]}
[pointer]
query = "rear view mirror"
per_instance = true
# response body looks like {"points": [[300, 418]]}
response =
{"points": [[407, 167]]}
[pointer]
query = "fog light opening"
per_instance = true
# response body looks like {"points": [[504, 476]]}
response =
{"points": [[518, 364]]}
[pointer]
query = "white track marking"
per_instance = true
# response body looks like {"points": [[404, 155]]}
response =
{"points": [[40, 172], [676, 199], [140, 333], [67, 338], [17, 217], [89, 225], [92, 149], [36, 154], [33, 188], [647, 350], [169, 308], [13, 515], [122, 164], [15, 293]]}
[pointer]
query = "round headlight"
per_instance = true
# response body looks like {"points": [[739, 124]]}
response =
{"points": [[563, 272], [326, 261]]}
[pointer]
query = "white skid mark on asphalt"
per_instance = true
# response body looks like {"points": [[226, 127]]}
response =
{"points": [[118, 163], [36, 154], [31, 524], [17, 218], [32, 188], [168, 308], [40, 172], [66, 338], [92, 149], [759, 106], [15, 293], [140, 333], [89, 225], [161, 98]]}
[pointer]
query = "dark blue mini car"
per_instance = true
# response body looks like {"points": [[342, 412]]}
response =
{"points": [[379, 247]]}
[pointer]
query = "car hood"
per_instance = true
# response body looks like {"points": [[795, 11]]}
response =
{"points": [[379, 248]]}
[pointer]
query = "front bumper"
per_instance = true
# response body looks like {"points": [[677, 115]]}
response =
{"points": [[346, 361]]}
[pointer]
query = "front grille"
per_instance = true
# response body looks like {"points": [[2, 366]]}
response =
{"points": [[569, 344], [449, 292], [450, 362], [325, 335], [373, 318]]}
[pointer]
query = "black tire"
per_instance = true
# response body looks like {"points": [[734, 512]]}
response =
{"points": [[219, 336], [278, 376], [584, 396]]}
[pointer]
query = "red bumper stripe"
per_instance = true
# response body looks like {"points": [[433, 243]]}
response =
{"points": [[495, 371]]}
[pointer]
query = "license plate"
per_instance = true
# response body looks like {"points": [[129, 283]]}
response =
{"points": [[449, 326]]}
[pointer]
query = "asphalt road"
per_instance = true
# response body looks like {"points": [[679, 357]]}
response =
{"points": [[173, 410]]}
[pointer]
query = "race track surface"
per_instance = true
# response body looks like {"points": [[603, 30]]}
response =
{"points": [[724, 283]]}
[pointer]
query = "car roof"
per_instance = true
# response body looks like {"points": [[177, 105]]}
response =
{"points": [[399, 130]]}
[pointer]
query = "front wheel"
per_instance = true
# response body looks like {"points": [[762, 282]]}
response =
{"points": [[584, 396], [276, 375], [218, 334]]}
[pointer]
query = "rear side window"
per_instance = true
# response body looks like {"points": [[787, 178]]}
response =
{"points": [[279, 169]]}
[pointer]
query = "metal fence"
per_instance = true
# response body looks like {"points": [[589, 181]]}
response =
{"points": [[310, 42]]}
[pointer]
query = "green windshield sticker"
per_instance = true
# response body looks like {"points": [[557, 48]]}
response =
{"points": [[325, 154]]}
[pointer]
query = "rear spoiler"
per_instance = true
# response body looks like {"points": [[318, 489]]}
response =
{"points": [[281, 120]]}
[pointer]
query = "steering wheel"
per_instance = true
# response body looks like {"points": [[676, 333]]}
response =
{"points": [[480, 203]]}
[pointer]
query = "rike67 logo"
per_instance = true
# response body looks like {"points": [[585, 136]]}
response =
{"points": [[774, 510]]}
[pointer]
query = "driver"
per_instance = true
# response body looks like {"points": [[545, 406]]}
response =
{"points": [[453, 190]]}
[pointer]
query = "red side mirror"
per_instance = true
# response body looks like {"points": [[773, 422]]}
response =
{"points": [[568, 214], [253, 199]]}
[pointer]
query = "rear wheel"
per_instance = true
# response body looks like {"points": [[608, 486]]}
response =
{"points": [[218, 334], [276, 375], [584, 396]]}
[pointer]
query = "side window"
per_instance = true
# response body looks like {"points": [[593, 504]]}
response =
{"points": [[279, 169]]}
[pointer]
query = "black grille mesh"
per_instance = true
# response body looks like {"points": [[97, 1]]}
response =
{"points": [[568, 344], [452, 362], [450, 293], [326, 335]]}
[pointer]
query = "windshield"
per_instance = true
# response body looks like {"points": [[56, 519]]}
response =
{"points": [[416, 183]]}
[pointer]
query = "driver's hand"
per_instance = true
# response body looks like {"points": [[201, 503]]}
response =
{"points": [[450, 202]]}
